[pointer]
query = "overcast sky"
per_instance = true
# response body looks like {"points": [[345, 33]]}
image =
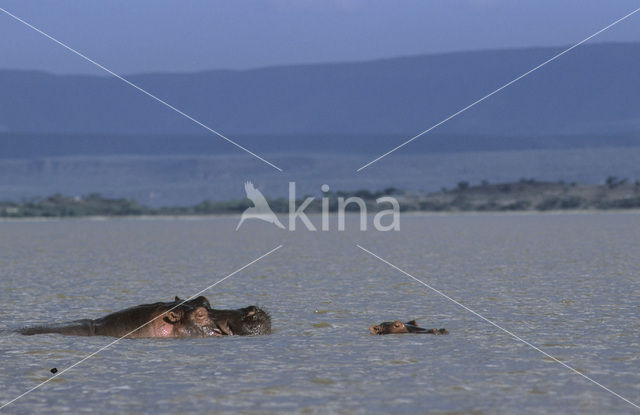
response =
{"points": [[179, 35]]}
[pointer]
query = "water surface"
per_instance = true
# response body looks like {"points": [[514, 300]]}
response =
{"points": [[567, 283]]}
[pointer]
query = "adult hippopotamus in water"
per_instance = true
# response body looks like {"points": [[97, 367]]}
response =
{"points": [[163, 319], [247, 321], [396, 327], [178, 318]]}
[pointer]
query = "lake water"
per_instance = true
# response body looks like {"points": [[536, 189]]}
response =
{"points": [[568, 283]]}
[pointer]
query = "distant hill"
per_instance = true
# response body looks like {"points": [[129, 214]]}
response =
{"points": [[594, 89], [576, 119]]}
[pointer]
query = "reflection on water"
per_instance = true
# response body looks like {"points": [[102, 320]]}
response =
{"points": [[567, 282]]}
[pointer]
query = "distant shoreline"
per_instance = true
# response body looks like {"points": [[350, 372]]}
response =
{"points": [[526, 195], [413, 214]]}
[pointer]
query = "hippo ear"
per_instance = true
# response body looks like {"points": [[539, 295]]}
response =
{"points": [[251, 311], [177, 299], [202, 300], [412, 322], [173, 316]]}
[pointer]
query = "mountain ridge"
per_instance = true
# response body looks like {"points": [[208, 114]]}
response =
{"points": [[593, 89]]}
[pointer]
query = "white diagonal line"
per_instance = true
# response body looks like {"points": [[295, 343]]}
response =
{"points": [[499, 327], [499, 89], [132, 331], [187, 116]]}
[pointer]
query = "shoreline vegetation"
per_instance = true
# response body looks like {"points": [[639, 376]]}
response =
{"points": [[523, 195]]}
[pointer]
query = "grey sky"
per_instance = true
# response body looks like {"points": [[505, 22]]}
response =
{"points": [[161, 35]]}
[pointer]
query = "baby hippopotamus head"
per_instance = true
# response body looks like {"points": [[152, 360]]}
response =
{"points": [[397, 327], [247, 321]]}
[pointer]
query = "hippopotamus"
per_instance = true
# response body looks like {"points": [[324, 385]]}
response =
{"points": [[247, 321], [178, 318], [396, 327], [163, 319]]}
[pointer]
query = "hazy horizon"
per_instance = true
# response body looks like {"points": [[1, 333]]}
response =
{"points": [[285, 64], [399, 68], [158, 36]]}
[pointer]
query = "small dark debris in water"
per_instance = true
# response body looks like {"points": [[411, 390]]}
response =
{"points": [[54, 370]]}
